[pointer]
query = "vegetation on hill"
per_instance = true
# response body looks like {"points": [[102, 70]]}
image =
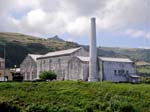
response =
{"points": [[56, 38], [143, 70], [71, 96], [18, 46], [133, 53]]}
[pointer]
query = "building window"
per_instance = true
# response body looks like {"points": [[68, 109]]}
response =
{"points": [[50, 64], [121, 72], [59, 63], [115, 72], [59, 60], [43, 61], [40, 65], [127, 72], [50, 61], [44, 64]]}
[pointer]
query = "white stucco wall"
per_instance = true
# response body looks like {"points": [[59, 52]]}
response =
{"points": [[109, 68], [58, 64], [78, 70], [28, 68]]}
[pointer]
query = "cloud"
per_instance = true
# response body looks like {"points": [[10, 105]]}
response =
{"points": [[35, 17], [79, 26], [49, 17], [137, 33]]}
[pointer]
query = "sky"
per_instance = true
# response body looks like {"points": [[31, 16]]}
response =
{"points": [[120, 23]]}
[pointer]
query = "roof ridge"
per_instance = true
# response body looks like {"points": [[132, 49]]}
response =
{"points": [[60, 52]]}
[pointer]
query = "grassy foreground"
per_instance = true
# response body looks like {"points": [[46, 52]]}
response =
{"points": [[70, 96]]}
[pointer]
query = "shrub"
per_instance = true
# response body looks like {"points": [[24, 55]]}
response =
{"points": [[127, 108], [6, 107], [36, 108], [47, 75], [70, 109], [145, 80]]}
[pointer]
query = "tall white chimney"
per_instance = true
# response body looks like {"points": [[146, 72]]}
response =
{"points": [[93, 53]]}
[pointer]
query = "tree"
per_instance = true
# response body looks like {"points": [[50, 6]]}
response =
{"points": [[47, 75]]}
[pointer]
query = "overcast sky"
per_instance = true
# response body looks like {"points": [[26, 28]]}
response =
{"points": [[120, 23]]}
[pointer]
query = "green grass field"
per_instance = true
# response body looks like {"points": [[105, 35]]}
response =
{"points": [[74, 96]]}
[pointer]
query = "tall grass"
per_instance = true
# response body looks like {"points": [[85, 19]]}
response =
{"points": [[75, 96]]}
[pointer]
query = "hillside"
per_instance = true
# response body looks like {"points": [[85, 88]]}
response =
{"points": [[19, 45], [74, 96], [133, 53], [56, 38]]}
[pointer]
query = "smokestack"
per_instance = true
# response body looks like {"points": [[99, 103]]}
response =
{"points": [[93, 53]]}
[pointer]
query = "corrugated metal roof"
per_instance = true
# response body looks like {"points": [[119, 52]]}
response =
{"points": [[82, 58], [115, 59], [59, 53], [34, 56], [134, 76], [86, 59]]}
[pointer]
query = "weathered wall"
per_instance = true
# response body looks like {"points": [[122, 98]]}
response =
{"points": [[28, 68], [58, 64], [117, 71], [8, 74], [2, 64], [78, 70]]}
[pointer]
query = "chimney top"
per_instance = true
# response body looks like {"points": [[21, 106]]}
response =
{"points": [[92, 17]]}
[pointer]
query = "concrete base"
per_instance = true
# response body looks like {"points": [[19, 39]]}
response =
{"points": [[92, 79]]}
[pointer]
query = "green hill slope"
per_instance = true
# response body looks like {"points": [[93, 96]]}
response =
{"points": [[133, 53], [19, 45]]}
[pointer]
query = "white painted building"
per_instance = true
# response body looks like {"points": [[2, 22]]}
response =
{"points": [[79, 68], [117, 69], [58, 62], [74, 64], [109, 69], [28, 67]]}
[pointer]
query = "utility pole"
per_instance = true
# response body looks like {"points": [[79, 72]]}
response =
{"points": [[4, 60]]}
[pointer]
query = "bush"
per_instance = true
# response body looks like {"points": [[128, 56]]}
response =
{"points": [[145, 80], [47, 75], [6, 107], [36, 108], [127, 108]]}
